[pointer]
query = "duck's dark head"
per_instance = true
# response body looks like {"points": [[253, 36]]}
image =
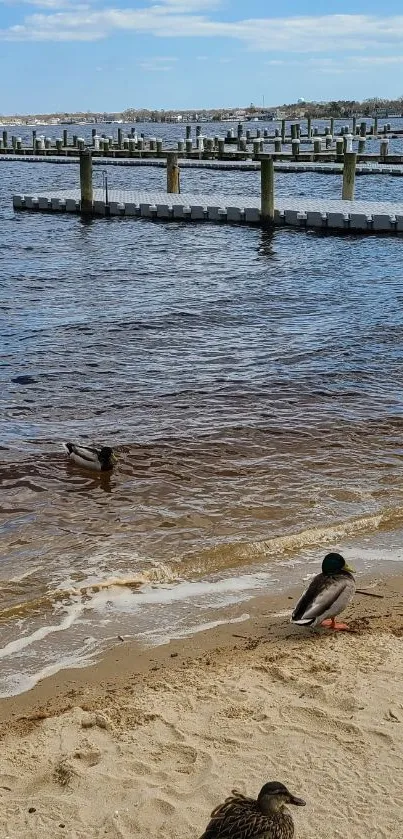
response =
{"points": [[274, 796], [106, 455], [335, 564]]}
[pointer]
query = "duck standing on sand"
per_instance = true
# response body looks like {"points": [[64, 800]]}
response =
{"points": [[328, 594], [246, 818], [98, 460]]}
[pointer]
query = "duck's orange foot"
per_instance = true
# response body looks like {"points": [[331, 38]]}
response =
{"points": [[338, 627]]}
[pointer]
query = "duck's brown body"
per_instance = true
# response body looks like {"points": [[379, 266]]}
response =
{"points": [[241, 818]]}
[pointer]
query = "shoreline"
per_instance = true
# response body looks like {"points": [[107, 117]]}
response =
{"points": [[148, 742], [244, 621]]}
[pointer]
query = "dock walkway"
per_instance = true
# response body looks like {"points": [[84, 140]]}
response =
{"points": [[364, 216], [223, 165]]}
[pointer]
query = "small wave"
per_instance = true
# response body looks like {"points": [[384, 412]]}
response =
{"points": [[162, 574], [240, 553], [213, 561], [22, 643]]}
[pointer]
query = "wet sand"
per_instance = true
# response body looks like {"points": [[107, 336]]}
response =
{"points": [[147, 742]]}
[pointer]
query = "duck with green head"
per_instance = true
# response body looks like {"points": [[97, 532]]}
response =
{"points": [[98, 460], [266, 817], [328, 594]]}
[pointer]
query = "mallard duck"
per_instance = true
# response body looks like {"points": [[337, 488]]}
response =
{"points": [[328, 594], [246, 818], [99, 460]]}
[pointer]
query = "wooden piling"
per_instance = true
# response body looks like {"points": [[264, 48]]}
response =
{"points": [[309, 128], [332, 126], [256, 148], [363, 129], [375, 126], [317, 146], [350, 162], [347, 142], [283, 131], [295, 147], [172, 173], [267, 190], [65, 137], [384, 148], [86, 180], [34, 139], [339, 146]]}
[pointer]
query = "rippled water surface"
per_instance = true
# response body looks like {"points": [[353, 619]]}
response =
{"points": [[250, 381]]}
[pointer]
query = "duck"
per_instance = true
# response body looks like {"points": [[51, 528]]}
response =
{"points": [[267, 817], [327, 595], [98, 460]]}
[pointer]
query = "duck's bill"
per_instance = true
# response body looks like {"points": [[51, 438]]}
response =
{"points": [[349, 568], [298, 802], [114, 458]]}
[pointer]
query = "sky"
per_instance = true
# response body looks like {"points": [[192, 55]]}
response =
{"points": [[108, 55]]}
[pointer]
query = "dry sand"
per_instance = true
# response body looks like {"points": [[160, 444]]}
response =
{"points": [[146, 744]]}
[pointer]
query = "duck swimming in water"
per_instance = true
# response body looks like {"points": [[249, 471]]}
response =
{"points": [[267, 817], [328, 594], [98, 460]]}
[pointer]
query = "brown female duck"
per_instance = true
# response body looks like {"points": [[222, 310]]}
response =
{"points": [[247, 818]]}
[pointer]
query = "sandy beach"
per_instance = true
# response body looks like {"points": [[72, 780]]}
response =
{"points": [[147, 742]]}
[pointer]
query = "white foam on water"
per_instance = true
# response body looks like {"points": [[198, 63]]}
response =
{"points": [[191, 630], [19, 644], [21, 682], [241, 587]]}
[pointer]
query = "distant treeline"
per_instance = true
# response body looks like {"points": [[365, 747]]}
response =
{"points": [[341, 108]]}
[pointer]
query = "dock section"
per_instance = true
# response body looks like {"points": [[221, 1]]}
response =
{"points": [[333, 215], [293, 167]]}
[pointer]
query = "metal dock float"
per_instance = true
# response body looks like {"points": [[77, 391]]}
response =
{"points": [[360, 216]]}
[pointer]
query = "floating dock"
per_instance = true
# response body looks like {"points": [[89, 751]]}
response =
{"points": [[334, 215]]}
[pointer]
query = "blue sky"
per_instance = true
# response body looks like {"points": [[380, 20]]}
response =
{"points": [[61, 55]]}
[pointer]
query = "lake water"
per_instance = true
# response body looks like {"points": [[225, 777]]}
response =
{"points": [[250, 381]]}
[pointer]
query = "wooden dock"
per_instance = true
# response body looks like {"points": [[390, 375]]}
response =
{"points": [[323, 214], [293, 142], [292, 167]]}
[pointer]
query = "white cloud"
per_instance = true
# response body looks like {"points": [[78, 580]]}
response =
{"points": [[343, 64], [49, 4], [158, 64], [368, 61], [178, 18], [187, 5]]}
